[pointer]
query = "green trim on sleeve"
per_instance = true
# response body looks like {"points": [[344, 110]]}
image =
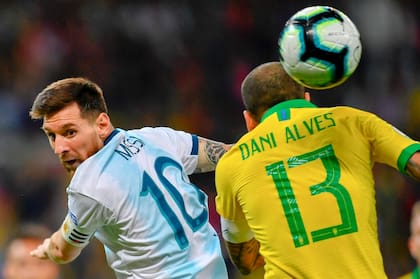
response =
{"points": [[406, 155], [415, 274]]}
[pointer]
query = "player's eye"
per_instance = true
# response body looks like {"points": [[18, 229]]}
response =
{"points": [[70, 133]]}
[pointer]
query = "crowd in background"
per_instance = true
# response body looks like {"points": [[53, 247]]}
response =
{"points": [[180, 64]]}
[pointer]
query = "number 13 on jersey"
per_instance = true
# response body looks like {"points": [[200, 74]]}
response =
{"points": [[331, 185]]}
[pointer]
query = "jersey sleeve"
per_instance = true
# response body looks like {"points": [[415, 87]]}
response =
{"points": [[236, 231], [181, 144], [390, 146], [226, 203], [84, 216], [234, 226]]}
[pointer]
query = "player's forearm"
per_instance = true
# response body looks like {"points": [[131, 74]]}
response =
{"points": [[56, 249], [59, 251], [209, 153], [246, 255]]}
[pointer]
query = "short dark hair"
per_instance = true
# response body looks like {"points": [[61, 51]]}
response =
{"points": [[266, 86], [87, 94]]}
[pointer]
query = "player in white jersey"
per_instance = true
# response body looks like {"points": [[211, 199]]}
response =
{"points": [[129, 189]]}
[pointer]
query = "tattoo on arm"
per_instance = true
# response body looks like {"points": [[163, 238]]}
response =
{"points": [[246, 255], [209, 154], [214, 151]]}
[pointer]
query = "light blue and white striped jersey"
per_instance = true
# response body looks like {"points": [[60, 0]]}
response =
{"points": [[135, 196]]}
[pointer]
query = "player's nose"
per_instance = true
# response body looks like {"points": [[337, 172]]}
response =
{"points": [[60, 145]]}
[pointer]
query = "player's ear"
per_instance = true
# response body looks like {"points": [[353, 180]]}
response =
{"points": [[103, 124], [307, 96], [250, 121]]}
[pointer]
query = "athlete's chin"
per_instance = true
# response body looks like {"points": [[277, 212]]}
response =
{"points": [[71, 165]]}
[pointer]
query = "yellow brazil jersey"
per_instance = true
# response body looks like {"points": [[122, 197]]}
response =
{"points": [[303, 181]]}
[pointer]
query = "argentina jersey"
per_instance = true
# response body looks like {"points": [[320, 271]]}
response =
{"points": [[135, 196]]}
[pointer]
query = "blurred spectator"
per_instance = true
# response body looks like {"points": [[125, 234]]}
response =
{"points": [[8, 215], [19, 264], [414, 241]]}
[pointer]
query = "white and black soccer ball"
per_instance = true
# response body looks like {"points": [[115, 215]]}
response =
{"points": [[320, 47]]}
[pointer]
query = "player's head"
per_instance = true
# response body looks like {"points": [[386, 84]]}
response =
{"points": [[75, 119], [266, 86], [85, 93], [19, 264], [414, 239]]}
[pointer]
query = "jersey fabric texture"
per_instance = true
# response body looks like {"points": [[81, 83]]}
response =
{"points": [[302, 179], [135, 196]]}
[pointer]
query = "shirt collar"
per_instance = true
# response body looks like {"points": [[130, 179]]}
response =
{"points": [[283, 109], [113, 133]]}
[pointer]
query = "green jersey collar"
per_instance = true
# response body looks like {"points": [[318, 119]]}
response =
{"points": [[283, 109]]}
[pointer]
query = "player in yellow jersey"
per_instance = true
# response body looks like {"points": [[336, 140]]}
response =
{"points": [[296, 193], [414, 241]]}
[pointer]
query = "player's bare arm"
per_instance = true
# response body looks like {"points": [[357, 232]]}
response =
{"points": [[413, 166], [246, 255], [209, 153], [57, 249]]}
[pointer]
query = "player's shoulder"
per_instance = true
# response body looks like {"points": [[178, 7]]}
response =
{"points": [[167, 139], [235, 155], [349, 109], [351, 112], [157, 132]]}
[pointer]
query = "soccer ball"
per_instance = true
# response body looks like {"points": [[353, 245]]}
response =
{"points": [[320, 47]]}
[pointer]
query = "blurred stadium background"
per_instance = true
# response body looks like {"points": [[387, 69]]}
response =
{"points": [[180, 64]]}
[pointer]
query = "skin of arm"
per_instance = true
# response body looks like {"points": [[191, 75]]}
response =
{"points": [[57, 249], [209, 153], [413, 166], [246, 255]]}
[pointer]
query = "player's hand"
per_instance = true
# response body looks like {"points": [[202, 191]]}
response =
{"points": [[41, 251]]}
